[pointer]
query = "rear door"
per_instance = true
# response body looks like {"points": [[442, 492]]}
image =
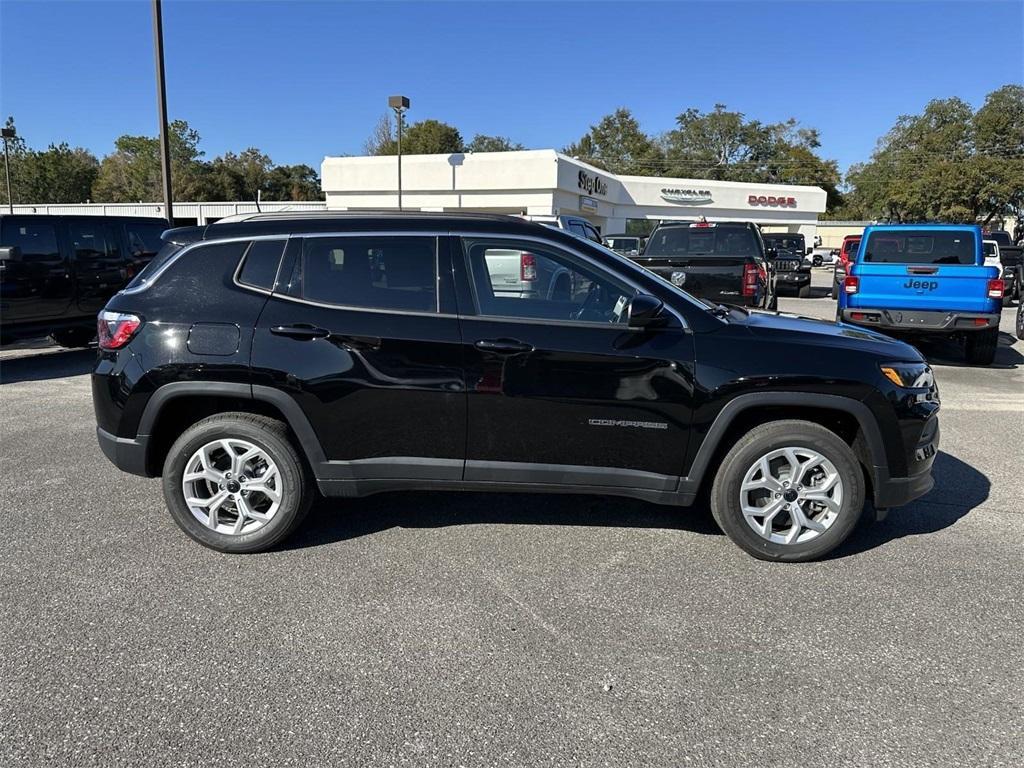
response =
{"points": [[926, 269], [361, 331], [38, 284], [98, 262]]}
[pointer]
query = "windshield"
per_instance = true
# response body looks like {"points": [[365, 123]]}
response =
{"points": [[785, 242], [701, 241], [1003, 238], [920, 247], [628, 243]]}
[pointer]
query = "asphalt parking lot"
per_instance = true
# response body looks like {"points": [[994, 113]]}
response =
{"points": [[481, 630]]}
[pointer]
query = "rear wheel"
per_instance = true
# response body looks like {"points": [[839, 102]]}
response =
{"points": [[817, 261], [980, 348], [804, 291], [235, 483], [1020, 320], [789, 491]]}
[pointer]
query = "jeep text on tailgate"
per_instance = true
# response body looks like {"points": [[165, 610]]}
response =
{"points": [[925, 279]]}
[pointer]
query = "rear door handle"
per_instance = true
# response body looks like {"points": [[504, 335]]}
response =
{"points": [[300, 331], [504, 346]]}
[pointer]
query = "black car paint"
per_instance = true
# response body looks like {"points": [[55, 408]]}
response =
{"points": [[42, 295], [403, 400], [789, 263], [716, 277]]}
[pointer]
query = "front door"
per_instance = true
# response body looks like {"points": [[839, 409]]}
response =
{"points": [[560, 391], [363, 335], [99, 265]]}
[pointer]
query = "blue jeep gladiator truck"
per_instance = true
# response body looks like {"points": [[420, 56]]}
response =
{"points": [[925, 279]]}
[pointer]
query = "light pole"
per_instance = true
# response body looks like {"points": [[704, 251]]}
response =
{"points": [[399, 104], [8, 134], [161, 103]]}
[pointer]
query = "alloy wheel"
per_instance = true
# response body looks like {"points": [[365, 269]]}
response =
{"points": [[791, 495], [232, 486]]}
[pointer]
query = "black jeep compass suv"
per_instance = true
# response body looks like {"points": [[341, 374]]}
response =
{"points": [[262, 358]]}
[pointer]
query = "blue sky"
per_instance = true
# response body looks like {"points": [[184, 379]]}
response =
{"points": [[304, 79]]}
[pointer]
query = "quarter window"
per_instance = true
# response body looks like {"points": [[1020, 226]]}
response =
{"points": [[397, 273], [525, 280], [259, 267]]}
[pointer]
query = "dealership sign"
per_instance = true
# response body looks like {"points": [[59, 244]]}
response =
{"points": [[594, 185], [688, 196], [771, 201]]}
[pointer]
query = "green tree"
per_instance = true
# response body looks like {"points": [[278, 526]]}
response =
{"points": [[293, 182], [59, 173], [947, 164], [132, 171], [427, 137], [484, 143], [618, 145]]}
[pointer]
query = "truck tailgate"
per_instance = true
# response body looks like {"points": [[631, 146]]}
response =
{"points": [[710, 277], [926, 287]]}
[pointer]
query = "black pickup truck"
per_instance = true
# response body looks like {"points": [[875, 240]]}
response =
{"points": [[722, 262], [57, 272], [788, 252]]}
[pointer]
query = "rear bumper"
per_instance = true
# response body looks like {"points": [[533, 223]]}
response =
{"points": [[920, 321], [127, 454]]}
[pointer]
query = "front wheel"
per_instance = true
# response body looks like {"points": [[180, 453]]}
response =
{"points": [[1020, 320], [234, 482], [980, 348], [816, 261], [788, 491]]}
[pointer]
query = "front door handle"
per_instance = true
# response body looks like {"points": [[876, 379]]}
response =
{"points": [[300, 331], [504, 346]]}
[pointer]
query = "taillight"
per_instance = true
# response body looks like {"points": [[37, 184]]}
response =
{"points": [[750, 275], [851, 284], [996, 288], [115, 329], [527, 267]]}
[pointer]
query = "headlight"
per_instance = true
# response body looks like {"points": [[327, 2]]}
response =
{"points": [[908, 375]]}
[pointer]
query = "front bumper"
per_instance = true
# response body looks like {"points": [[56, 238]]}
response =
{"points": [[127, 454], [920, 321], [793, 278]]}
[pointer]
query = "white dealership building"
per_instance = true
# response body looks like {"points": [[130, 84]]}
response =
{"points": [[547, 182]]}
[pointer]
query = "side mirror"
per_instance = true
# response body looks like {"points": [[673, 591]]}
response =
{"points": [[809, 252], [10, 253], [645, 312]]}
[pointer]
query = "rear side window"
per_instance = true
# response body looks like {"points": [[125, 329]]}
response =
{"points": [[38, 242], [166, 252], [259, 265], [144, 238], [396, 273], [920, 247]]}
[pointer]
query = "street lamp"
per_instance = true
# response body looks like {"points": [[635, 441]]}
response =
{"points": [[9, 134], [399, 104]]}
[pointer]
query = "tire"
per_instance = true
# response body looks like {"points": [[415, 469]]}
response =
{"points": [[816, 261], [804, 438], [240, 430], [804, 291], [1020, 320], [1007, 299], [835, 289], [980, 347], [72, 338]]}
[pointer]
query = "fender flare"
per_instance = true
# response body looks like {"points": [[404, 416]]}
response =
{"points": [[286, 404], [865, 419]]}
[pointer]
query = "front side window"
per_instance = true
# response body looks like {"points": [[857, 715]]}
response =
{"points": [[37, 242], [527, 280], [920, 247], [395, 273]]}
